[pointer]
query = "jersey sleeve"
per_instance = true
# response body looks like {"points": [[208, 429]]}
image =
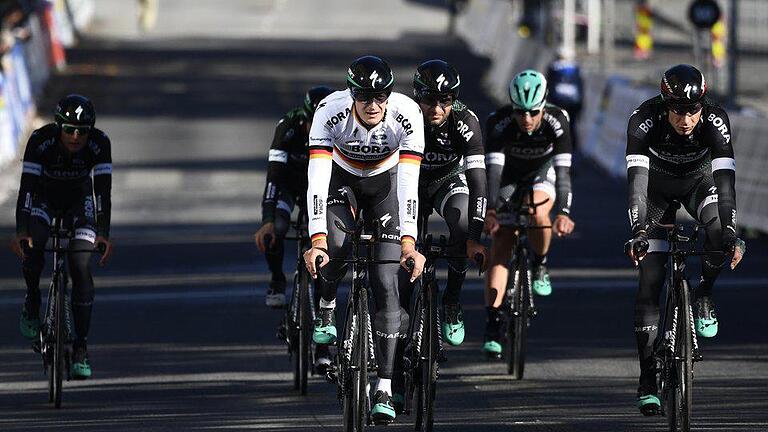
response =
{"points": [[30, 176], [494, 158], [638, 164], [563, 154], [319, 173], [718, 135], [474, 169], [277, 162], [411, 149], [102, 186]]}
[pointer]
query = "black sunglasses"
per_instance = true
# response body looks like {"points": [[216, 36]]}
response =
{"points": [[70, 129], [432, 99], [367, 97], [685, 109], [521, 112]]}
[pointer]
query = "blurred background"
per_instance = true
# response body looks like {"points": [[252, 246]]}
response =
{"points": [[190, 91]]}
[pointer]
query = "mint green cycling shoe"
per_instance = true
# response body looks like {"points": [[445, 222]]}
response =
{"points": [[383, 411], [325, 327], [541, 284], [453, 324], [706, 319], [81, 367], [29, 324], [492, 348]]}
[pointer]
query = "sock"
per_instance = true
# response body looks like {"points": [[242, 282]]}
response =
{"points": [[539, 260], [385, 385], [324, 304]]}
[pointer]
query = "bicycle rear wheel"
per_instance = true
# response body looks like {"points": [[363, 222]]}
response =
{"points": [[517, 327]]}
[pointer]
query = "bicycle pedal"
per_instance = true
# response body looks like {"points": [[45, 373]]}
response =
{"points": [[441, 357], [493, 356], [697, 356]]}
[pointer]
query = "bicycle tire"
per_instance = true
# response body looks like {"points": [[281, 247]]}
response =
{"points": [[360, 373], [684, 351], [669, 371], [58, 351], [517, 328], [345, 356], [304, 332], [291, 327], [429, 363]]}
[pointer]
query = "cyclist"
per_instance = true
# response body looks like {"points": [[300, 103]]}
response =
{"points": [[67, 164], [528, 145], [678, 148], [365, 149], [288, 156], [452, 179]]}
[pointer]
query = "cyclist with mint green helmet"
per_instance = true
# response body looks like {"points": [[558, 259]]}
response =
{"points": [[528, 144]]}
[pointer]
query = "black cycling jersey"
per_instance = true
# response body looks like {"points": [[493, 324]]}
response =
{"points": [[513, 154], [288, 162], [55, 175], [453, 147], [654, 147]]}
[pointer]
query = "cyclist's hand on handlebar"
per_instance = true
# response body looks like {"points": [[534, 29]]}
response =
{"points": [[476, 250], [737, 247], [17, 242], [105, 246], [491, 222], [409, 252], [319, 250], [637, 247], [563, 225], [265, 236]]}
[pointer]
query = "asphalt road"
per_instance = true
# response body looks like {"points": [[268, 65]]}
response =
{"points": [[180, 338]]}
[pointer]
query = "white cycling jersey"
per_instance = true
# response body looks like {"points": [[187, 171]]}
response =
{"points": [[338, 136]]}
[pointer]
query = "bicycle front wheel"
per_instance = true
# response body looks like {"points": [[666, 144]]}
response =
{"points": [[517, 328], [430, 346], [360, 374], [684, 355], [304, 321], [58, 350]]}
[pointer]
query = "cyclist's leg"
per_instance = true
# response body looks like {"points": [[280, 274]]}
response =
{"points": [[82, 282], [274, 255], [702, 204], [540, 239], [339, 210], [390, 321], [32, 266], [646, 321], [453, 207]]}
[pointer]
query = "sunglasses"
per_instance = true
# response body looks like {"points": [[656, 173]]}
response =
{"points": [[431, 99], [70, 129], [685, 109], [366, 97], [522, 112]]}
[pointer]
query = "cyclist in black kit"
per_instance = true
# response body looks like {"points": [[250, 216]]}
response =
{"points": [[452, 178], [286, 187], [678, 149], [528, 145], [67, 172]]}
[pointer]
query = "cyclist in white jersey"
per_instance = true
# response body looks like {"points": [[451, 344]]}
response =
{"points": [[365, 147]]}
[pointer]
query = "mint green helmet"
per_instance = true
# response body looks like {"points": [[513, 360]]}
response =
{"points": [[528, 90]]}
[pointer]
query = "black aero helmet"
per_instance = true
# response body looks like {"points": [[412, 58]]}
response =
{"points": [[75, 109], [370, 74], [313, 97], [683, 85], [436, 77]]}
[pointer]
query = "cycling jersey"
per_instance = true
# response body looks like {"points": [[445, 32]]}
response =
{"points": [[54, 175], [452, 148], [338, 138], [288, 161], [513, 155], [654, 148]]}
